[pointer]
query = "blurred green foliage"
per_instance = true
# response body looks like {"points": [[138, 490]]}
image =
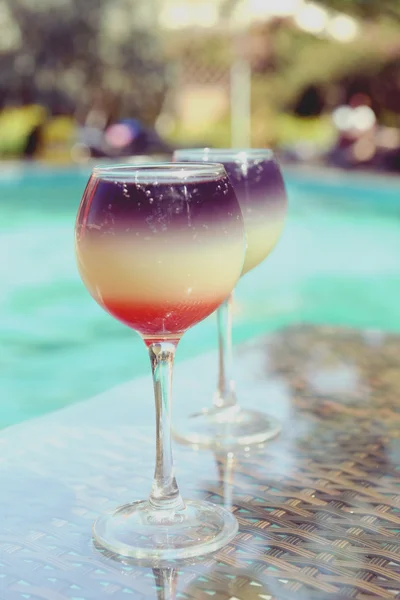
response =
{"points": [[69, 54], [287, 61], [366, 8]]}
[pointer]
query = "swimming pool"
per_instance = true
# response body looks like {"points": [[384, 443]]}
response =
{"points": [[338, 262]]}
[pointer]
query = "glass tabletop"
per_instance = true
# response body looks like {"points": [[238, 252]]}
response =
{"points": [[318, 507]]}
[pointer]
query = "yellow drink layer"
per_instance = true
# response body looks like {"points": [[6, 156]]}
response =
{"points": [[156, 271]]}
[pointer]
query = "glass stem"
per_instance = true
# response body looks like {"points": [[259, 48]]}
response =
{"points": [[166, 581], [164, 493], [225, 395]]}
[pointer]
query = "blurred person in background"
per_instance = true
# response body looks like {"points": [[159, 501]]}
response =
{"points": [[356, 127], [130, 136], [59, 133], [125, 137], [21, 123], [306, 132]]}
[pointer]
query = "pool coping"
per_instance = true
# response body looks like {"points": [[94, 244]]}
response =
{"points": [[331, 176]]}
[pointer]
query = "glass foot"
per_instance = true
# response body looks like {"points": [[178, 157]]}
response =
{"points": [[139, 531], [226, 428]]}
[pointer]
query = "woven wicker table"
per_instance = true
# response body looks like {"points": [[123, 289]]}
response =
{"points": [[318, 508]]}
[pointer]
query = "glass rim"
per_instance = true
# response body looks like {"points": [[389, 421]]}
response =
{"points": [[225, 152], [168, 172]]}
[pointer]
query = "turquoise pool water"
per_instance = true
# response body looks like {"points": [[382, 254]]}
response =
{"points": [[338, 262]]}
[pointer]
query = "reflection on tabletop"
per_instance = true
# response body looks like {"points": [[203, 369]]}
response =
{"points": [[317, 507]]}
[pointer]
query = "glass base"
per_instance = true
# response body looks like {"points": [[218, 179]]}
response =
{"points": [[227, 428], [139, 531]]}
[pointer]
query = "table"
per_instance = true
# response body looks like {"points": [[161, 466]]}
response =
{"points": [[318, 508]]}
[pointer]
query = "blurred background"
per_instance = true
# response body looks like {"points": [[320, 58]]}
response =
{"points": [[83, 81], [318, 80]]}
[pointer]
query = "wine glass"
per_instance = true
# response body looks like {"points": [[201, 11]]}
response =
{"points": [[159, 247], [257, 180]]}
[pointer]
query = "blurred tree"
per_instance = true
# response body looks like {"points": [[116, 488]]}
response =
{"points": [[74, 52], [362, 8], [287, 78], [365, 8]]}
